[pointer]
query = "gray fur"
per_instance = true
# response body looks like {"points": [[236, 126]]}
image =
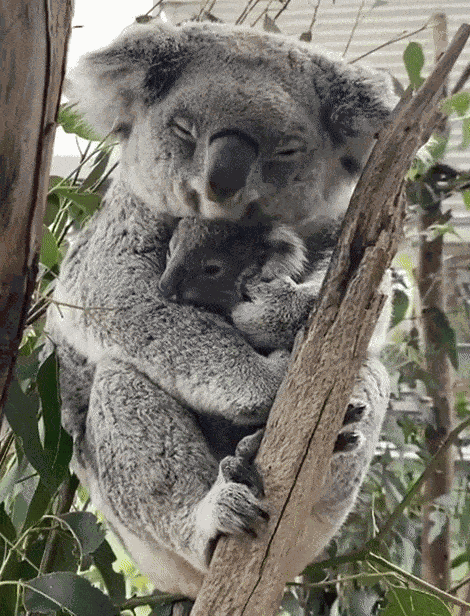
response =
{"points": [[210, 262], [157, 394]]}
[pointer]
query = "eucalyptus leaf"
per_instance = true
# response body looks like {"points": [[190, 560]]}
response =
{"points": [[466, 198], [413, 58], [446, 335], [103, 558], [88, 202], [86, 529], [410, 602], [99, 167], [66, 590], [400, 304], [72, 122], [21, 412], [49, 254]]}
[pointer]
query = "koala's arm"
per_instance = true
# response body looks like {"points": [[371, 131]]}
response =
{"points": [[275, 310], [113, 271]]}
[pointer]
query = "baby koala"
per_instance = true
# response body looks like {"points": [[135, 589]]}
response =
{"points": [[245, 272]]}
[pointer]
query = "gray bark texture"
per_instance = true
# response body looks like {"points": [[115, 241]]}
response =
{"points": [[33, 42]]}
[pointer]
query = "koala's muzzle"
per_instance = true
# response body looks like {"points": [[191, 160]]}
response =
{"points": [[231, 155]]}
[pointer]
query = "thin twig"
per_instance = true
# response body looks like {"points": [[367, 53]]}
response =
{"points": [[314, 18], [151, 600], [356, 23], [395, 40], [460, 584], [462, 80], [282, 9], [418, 581]]}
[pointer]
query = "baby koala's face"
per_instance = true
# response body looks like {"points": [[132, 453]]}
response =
{"points": [[209, 260]]}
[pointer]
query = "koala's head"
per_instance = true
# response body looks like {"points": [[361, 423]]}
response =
{"points": [[213, 118], [209, 261]]}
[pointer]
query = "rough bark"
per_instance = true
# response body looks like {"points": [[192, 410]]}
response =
{"points": [[247, 578], [436, 551], [34, 37]]}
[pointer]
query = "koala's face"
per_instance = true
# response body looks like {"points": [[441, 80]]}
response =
{"points": [[214, 119], [208, 261]]}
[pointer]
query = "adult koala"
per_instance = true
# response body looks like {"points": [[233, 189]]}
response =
{"points": [[214, 120]]}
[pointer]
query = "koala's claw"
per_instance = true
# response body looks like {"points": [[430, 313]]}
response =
{"points": [[347, 441], [235, 469], [354, 413], [248, 447], [239, 512]]}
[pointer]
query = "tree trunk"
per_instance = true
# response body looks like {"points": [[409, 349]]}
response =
{"points": [[248, 578], [34, 39], [435, 552]]}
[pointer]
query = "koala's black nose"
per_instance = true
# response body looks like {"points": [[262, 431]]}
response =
{"points": [[231, 155]]}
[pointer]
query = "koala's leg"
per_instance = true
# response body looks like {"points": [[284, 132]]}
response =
{"points": [[354, 450], [151, 472]]}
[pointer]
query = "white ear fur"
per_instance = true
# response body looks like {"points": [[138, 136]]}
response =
{"points": [[105, 83]]}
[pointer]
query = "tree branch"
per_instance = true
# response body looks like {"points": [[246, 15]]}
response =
{"points": [[34, 46], [247, 578]]}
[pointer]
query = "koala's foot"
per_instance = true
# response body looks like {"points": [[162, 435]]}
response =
{"points": [[233, 506], [349, 440]]}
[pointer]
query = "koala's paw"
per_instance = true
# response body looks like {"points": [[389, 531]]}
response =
{"points": [[272, 312], [233, 505], [350, 436]]}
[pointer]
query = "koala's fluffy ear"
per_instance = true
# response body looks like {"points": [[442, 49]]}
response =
{"points": [[356, 101], [141, 64]]}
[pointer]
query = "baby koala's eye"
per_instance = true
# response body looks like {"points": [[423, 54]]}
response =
{"points": [[213, 268]]}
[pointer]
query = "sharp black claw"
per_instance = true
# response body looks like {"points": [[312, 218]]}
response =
{"points": [[354, 412], [346, 441]]}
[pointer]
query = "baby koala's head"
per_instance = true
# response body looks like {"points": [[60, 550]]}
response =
{"points": [[209, 261]]}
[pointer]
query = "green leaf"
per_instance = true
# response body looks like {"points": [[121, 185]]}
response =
{"points": [[21, 412], [49, 254], [88, 202], [6, 527], [466, 198], [465, 133], [66, 590], [461, 405], [52, 209], [413, 58], [8, 593], [400, 304], [85, 528], [73, 122], [48, 388], [38, 506], [409, 602], [57, 443], [99, 167], [445, 335], [103, 558], [458, 103]]}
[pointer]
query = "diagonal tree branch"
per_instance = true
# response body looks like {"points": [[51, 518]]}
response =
{"points": [[247, 578]]}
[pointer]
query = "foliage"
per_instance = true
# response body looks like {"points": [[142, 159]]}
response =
{"points": [[54, 557]]}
